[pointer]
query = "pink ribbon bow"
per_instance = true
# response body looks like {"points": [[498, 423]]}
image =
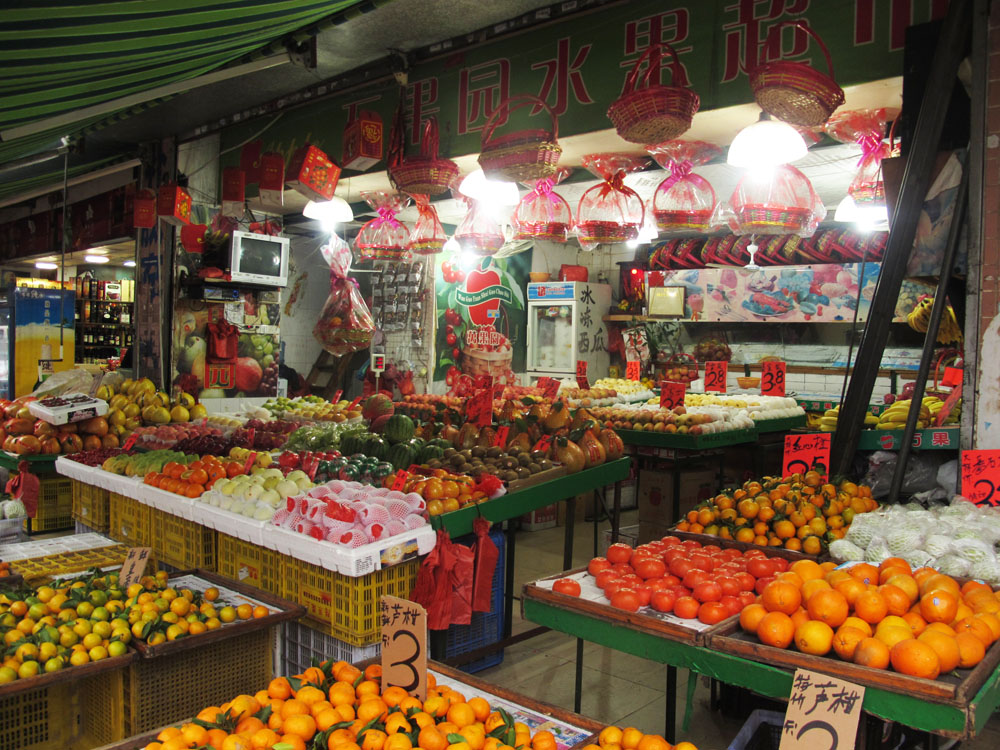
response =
{"points": [[387, 215], [872, 147]]}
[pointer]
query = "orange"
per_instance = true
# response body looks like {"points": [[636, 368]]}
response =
{"points": [[916, 623], [978, 628], [341, 693], [873, 653], [750, 617], [309, 694], [940, 581], [858, 623], [791, 577], [293, 707], [264, 738], [945, 646], [653, 742], [423, 719], [776, 629], [864, 572], [814, 637], [461, 714], [480, 708], [393, 695], [846, 640], [243, 706], [892, 635], [942, 627], [209, 714], [992, 622], [436, 706], [216, 737], [235, 742], [195, 734], [938, 605], [348, 673], [301, 725], [327, 718], [610, 736], [828, 606], [851, 588], [630, 738], [373, 739], [371, 708], [908, 584], [800, 617], [871, 607], [897, 600], [294, 741], [780, 596], [811, 587], [367, 689], [807, 570], [249, 725], [915, 658], [397, 742], [430, 738], [962, 612]]}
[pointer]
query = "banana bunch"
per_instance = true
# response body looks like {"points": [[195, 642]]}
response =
{"points": [[894, 418], [919, 318], [935, 405], [828, 422]]}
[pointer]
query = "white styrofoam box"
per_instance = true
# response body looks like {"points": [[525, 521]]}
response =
{"points": [[351, 562], [300, 645], [45, 547]]}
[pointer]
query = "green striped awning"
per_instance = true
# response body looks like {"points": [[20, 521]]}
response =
{"points": [[58, 56]]}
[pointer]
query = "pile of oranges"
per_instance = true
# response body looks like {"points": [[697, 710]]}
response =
{"points": [[919, 622], [801, 512], [192, 480], [630, 738], [443, 491], [338, 706]]}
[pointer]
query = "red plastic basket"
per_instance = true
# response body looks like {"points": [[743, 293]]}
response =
{"points": [[653, 113], [425, 174], [524, 154], [794, 91]]}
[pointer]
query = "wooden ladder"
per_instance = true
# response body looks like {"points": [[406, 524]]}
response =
{"points": [[333, 367]]}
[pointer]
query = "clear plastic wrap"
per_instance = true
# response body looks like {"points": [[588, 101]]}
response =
{"points": [[611, 211], [427, 237], [543, 214], [345, 325], [865, 127], [953, 565], [684, 201], [479, 232], [384, 237], [776, 201]]}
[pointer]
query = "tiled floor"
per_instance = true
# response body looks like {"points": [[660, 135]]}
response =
{"points": [[617, 688]]}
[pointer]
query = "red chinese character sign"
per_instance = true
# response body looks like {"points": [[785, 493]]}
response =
{"points": [[549, 386], [672, 394], [716, 374], [632, 369], [581, 374], [806, 452], [772, 379], [981, 476]]}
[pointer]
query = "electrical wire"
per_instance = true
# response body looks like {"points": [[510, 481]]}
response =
{"points": [[241, 144]]}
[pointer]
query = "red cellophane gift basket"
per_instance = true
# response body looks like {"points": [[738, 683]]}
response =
{"points": [[523, 154], [345, 325], [685, 201], [865, 127], [426, 174], [427, 237], [649, 112], [794, 91], [479, 232], [543, 214], [610, 211], [778, 201], [384, 237]]}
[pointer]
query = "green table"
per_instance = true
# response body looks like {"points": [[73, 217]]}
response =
{"points": [[39, 464], [949, 719]]}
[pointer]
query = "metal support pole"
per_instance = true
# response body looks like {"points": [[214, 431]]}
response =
{"points": [[930, 337], [916, 180]]}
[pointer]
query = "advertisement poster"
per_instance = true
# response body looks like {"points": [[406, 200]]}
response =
{"points": [[37, 317], [480, 316]]}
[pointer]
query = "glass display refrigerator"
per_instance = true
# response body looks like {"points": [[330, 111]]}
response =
{"points": [[40, 325], [566, 324]]}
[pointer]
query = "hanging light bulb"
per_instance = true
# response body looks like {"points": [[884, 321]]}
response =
{"points": [[476, 186], [329, 213], [847, 210], [766, 143], [647, 233]]}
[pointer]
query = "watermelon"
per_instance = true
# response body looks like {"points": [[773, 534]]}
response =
{"points": [[381, 470], [401, 456], [442, 443], [352, 443], [398, 428], [377, 406], [429, 453], [417, 444], [376, 447], [379, 423]]}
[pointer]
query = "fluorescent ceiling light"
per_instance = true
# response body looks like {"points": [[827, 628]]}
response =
{"points": [[96, 258], [45, 266], [329, 213], [766, 143], [476, 186], [98, 251], [847, 210], [129, 264]]}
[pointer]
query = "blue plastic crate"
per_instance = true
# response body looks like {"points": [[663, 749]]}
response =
{"points": [[486, 627]]}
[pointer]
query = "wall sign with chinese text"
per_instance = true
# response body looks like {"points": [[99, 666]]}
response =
{"points": [[404, 645], [823, 712], [981, 476], [806, 452]]}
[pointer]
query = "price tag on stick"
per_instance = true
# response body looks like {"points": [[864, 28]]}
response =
{"points": [[581, 374], [500, 439], [404, 645], [672, 394], [400, 482], [822, 712], [715, 376], [549, 386], [806, 452], [632, 369], [354, 403], [981, 476], [772, 379], [134, 567], [336, 396], [479, 407]]}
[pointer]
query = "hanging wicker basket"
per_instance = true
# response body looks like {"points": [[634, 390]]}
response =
{"points": [[794, 91], [425, 174], [524, 154], [652, 113]]}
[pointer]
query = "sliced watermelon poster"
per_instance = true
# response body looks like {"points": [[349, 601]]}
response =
{"points": [[481, 317]]}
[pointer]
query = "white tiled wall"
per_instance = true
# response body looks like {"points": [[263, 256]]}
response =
{"points": [[297, 320]]}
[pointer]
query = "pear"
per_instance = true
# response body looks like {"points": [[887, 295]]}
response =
{"points": [[296, 476], [276, 474], [252, 492], [198, 411], [180, 414], [271, 482], [263, 513], [287, 488], [160, 415], [271, 498]]}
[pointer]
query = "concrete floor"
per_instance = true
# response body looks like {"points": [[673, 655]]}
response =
{"points": [[617, 688]]}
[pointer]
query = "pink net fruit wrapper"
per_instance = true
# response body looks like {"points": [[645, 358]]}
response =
{"points": [[279, 517], [384, 237], [345, 325], [427, 237], [776, 201], [684, 201], [414, 522], [394, 527], [354, 538], [543, 214], [866, 128], [611, 211]]}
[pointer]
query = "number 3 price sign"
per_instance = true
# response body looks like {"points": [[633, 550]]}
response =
{"points": [[823, 712], [981, 476], [404, 645], [772, 379]]}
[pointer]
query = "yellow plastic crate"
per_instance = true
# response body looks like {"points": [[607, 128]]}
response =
{"points": [[181, 544], [55, 506], [345, 607], [130, 521], [41, 569], [173, 688], [255, 566], [91, 505]]}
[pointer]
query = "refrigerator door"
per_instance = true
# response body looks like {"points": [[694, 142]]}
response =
{"points": [[552, 336], [5, 353]]}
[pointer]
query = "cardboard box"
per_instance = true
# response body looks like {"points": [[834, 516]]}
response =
{"points": [[651, 532], [312, 173], [656, 495], [173, 205], [363, 141], [233, 191], [626, 535], [272, 179], [144, 210], [542, 518]]}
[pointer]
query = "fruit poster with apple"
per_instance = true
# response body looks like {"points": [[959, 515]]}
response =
{"points": [[481, 318]]}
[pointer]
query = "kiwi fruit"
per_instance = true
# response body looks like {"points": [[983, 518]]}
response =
{"points": [[509, 476], [478, 452], [524, 459], [434, 464], [545, 464], [523, 473], [539, 455], [449, 452], [534, 468], [494, 451], [457, 460]]}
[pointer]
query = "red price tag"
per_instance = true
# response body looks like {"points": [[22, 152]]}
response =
{"points": [[632, 368], [952, 377], [772, 379], [249, 463], [581, 374], [500, 439], [336, 396], [400, 482], [672, 394], [981, 476], [251, 436], [479, 408], [949, 406], [715, 376], [549, 386], [543, 444], [806, 452], [354, 403], [130, 442]]}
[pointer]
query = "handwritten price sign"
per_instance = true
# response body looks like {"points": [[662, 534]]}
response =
{"points": [[404, 645], [981, 476], [822, 712], [772, 379], [672, 394], [581, 374], [632, 368], [549, 386], [134, 567], [806, 453], [479, 407], [715, 376]]}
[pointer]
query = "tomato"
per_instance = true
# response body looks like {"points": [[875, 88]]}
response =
{"points": [[663, 601], [691, 544], [613, 587], [731, 554], [623, 569], [746, 581], [671, 580], [626, 599], [762, 583], [656, 584], [708, 591], [754, 553], [670, 541], [729, 585], [650, 569], [681, 591], [703, 562], [672, 553], [686, 607], [598, 564], [747, 598], [761, 568], [711, 613], [566, 586], [631, 581], [695, 577], [680, 566], [604, 577], [779, 564], [619, 553], [732, 604]]}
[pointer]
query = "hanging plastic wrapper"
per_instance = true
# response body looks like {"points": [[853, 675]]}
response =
{"points": [[685, 201], [543, 214], [865, 127], [480, 232], [384, 237], [777, 201], [345, 325], [610, 211], [427, 237]]}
